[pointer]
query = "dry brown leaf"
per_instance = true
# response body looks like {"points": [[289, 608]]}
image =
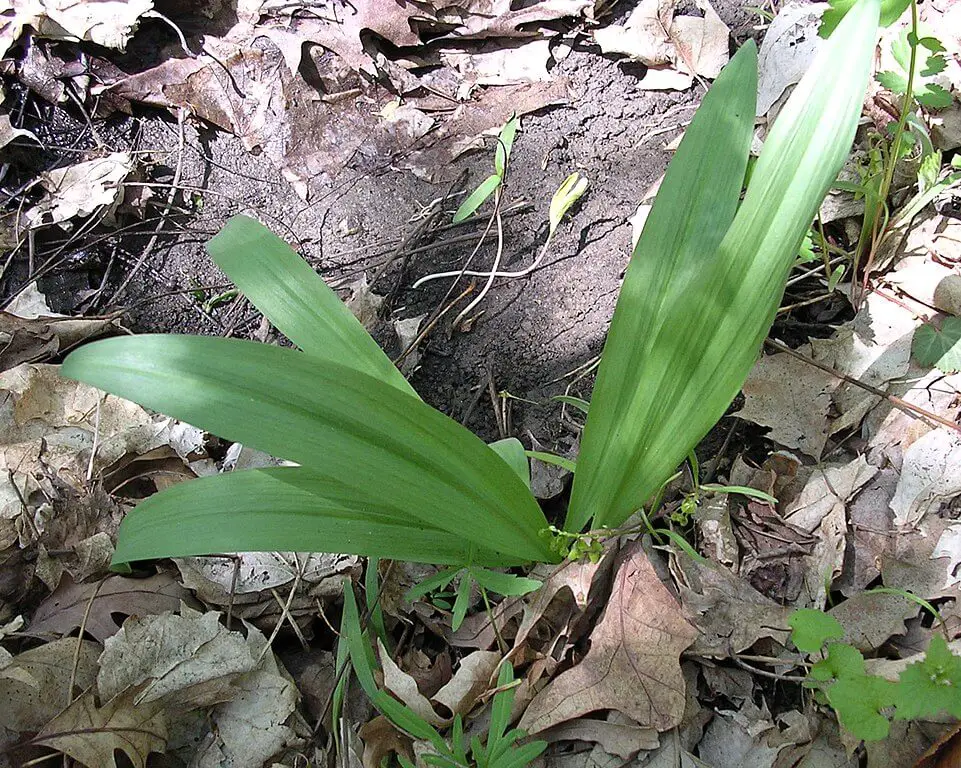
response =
{"points": [[90, 734], [569, 591], [624, 741], [632, 665], [80, 190], [730, 614], [63, 611], [381, 739], [871, 618], [34, 685], [930, 475]]}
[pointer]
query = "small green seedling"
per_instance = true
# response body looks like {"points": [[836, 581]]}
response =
{"points": [[500, 749], [493, 183], [864, 703]]}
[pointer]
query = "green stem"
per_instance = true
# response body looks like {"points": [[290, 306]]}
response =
{"points": [[893, 156]]}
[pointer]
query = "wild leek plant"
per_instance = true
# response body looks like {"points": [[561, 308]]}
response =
{"points": [[383, 474]]}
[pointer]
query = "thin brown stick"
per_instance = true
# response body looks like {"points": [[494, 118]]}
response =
{"points": [[902, 405]]}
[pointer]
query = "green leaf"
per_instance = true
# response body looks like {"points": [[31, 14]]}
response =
{"points": [[505, 143], [939, 348], [284, 509], [462, 602], [931, 686], [506, 584], [933, 66], [575, 402], [296, 300], [690, 215], [859, 702], [893, 81], [364, 436], [891, 11], [933, 96], [357, 644], [511, 450], [810, 629], [742, 490], [842, 661], [569, 192], [476, 198], [553, 458], [438, 581], [702, 290]]}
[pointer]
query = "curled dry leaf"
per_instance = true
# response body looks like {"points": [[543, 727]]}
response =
{"points": [[109, 23], [91, 734], [472, 678], [682, 46], [633, 662]]}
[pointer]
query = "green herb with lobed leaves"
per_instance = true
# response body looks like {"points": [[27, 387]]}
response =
{"points": [[863, 702], [383, 474]]}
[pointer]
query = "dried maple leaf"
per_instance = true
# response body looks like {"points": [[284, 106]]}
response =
{"points": [[90, 734], [62, 612], [632, 665]]}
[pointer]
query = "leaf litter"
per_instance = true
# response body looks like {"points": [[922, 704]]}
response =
{"points": [[648, 654]]}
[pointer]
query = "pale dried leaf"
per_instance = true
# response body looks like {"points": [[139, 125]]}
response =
{"points": [[90, 734], [80, 190], [632, 665], [191, 658], [871, 618], [472, 678], [624, 741], [404, 687], [252, 727], [930, 475], [789, 45]]}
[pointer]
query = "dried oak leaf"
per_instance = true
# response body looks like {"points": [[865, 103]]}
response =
{"points": [[632, 665], [90, 734], [34, 685], [62, 612]]}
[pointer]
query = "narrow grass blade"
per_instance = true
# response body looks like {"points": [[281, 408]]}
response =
{"points": [[296, 299], [283, 509], [691, 213], [697, 344], [476, 198], [353, 429]]}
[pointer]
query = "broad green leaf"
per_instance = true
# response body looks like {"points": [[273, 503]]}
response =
{"points": [[842, 661], [891, 11], [896, 82], [933, 96], [695, 308], [859, 702], [511, 450], [931, 686], [353, 429], [438, 581], [296, 300], [692, 211], [476, 198], [939, 348], [284, 509]]}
